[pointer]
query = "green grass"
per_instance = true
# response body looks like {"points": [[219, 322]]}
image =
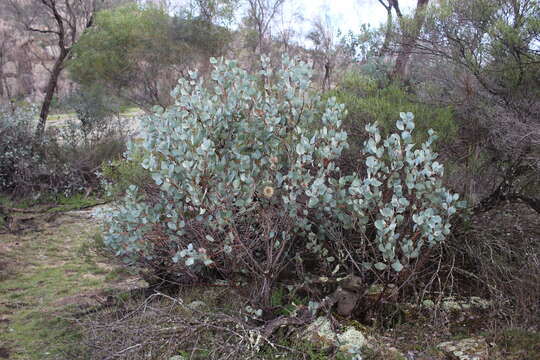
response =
{"points": [[74, 202], [47, 278], [62, 203], [19, 204]]}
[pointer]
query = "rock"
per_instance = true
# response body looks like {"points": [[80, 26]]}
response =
{"points": [[177, 357], [452, 303], [346, 301], [322, 334], [351, 339], [467, 349], [353, 283], [479, 303], [379, 291], [348, 293], [196, 305], [474, 302]]}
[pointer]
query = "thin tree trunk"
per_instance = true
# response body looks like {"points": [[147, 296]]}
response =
{"points": [[49, 93], [409, 40], [327, 73], [386, 43]]}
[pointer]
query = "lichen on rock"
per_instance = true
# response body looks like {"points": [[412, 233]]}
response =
{"points": [[475, 348]]}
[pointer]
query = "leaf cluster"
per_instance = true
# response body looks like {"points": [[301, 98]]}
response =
{"points": [[249, 186]]}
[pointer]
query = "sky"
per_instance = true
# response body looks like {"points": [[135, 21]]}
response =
{"points": [[344, 14]]}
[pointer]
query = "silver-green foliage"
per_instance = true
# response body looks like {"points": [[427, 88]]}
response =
{"points": [[228, 148], [402, 196], [242, 143]]}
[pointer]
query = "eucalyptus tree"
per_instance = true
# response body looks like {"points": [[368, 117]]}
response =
{"points": [[410, 32], [409, 27]]}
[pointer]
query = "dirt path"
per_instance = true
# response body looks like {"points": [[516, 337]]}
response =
{"points": [[129, 120], [47, 273]]}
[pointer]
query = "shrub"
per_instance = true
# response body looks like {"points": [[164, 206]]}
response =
{"points": [[248, 187], [369, 99], [118, 175], [233, 161], [94, 110], [52, 166], [400, 207], [16, 128]]}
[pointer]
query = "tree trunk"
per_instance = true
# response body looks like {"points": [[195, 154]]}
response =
{"points": [[327, 73], [386, 44], [409, 39], [49, 93]]}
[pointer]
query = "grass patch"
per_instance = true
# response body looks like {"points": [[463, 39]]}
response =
{"points": [[18, 204], [62, 203], [75, 202], [61, 117], [47, 280]]}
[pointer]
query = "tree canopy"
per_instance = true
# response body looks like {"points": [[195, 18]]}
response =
{"points": [[138, 53]]}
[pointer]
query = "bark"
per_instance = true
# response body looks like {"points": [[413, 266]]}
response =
{"points": [[327, 73], [387, 34], [61, 21], [409, 39], [49, 92]]}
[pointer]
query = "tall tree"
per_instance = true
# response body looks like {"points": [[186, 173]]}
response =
{"points": [[260, 14], [491, 60], [215, 11], [388, 6], [324, 52], [56, 23], [410, 33]]}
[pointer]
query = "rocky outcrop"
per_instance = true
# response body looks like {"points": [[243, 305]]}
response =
{"points": [[25, 62]]}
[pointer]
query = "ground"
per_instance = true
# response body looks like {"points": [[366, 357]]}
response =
{"points": [[47, 273], [50, 275]]}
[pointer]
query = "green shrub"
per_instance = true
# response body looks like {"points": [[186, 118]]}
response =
{"points": [[368, 99], [118, 175], [232, 161], [94, 108], [16, 140], [247, 186], [400, 206]]}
